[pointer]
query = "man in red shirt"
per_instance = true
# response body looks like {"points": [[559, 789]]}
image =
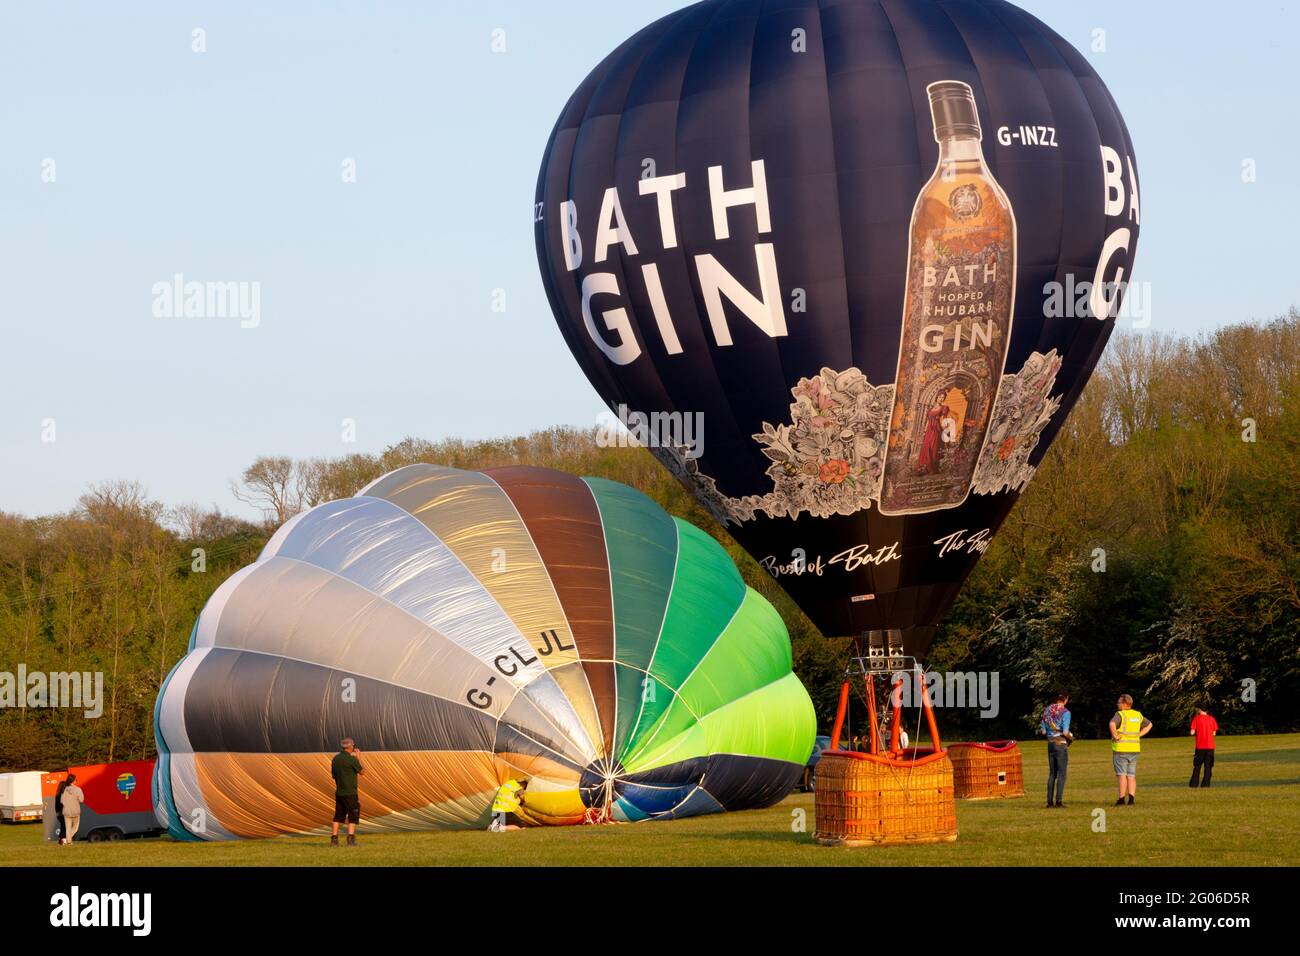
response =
{"points": [[1204, 727]]}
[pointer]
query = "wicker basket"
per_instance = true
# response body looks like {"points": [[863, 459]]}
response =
{"points": [[867, 800], [987, 771]]}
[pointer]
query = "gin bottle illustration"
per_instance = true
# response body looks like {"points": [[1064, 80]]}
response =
{"points": [[961, 279]]}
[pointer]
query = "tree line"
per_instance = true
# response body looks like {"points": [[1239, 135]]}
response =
{"points": [[1156, 552]]}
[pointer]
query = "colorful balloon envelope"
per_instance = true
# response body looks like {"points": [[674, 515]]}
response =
{"points": [[467, 628], [846, 265]]}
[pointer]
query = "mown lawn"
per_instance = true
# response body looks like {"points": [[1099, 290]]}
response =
{"points": [[1250, 817]]}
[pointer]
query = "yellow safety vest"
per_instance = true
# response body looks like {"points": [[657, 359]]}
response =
{"points": [[1130, 730], [507, 799]]}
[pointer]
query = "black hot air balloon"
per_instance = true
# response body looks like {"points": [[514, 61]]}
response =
{"points": [[876, 246]]}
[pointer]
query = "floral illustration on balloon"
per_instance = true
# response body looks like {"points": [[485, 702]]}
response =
{"points": [[1023, 408], [829, 458]]}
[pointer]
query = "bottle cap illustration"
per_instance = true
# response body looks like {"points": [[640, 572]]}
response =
{"points": [[952, 104]]}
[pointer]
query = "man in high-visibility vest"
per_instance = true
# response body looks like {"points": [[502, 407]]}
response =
{"points": [[1127, 728], [508, 800]]}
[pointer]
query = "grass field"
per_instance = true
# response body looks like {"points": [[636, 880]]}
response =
{"points": [[1250, 817]]}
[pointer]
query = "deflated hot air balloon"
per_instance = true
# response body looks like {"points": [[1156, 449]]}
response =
{"points": [[874, 247], [468, 628]]}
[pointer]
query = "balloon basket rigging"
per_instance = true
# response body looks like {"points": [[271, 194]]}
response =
{"points": [[987, 771], [889, 793], [601, 811]]}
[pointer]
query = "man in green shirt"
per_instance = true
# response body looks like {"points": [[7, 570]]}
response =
{"points": [[345, 768]]}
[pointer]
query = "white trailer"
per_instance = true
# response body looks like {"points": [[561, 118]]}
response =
{"points": [[20, 796]]}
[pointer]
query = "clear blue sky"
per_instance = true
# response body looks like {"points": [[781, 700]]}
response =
{"points": [[377, 295]]}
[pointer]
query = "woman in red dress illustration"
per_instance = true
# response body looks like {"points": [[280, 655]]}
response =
{"points": [[927, 461]]}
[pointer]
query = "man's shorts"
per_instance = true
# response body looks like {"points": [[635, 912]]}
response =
{"points": [[1126, 764], [347, 809]]}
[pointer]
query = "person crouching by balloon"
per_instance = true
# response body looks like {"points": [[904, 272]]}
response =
{"points": [[509, 798], [1056, 726], [345, 768]]}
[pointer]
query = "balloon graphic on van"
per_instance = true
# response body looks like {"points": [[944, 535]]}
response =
{"points": [[126, 785]]}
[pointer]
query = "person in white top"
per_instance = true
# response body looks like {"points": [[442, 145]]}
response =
{"points": [[70, 801]]}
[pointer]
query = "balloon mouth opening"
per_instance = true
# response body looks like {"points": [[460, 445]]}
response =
{"points": [[600, 784]]}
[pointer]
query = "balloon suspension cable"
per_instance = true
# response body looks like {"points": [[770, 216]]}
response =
{"points": [[871, 713]]}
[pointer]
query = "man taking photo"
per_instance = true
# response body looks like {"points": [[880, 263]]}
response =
{"points": [[345, 768]]}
